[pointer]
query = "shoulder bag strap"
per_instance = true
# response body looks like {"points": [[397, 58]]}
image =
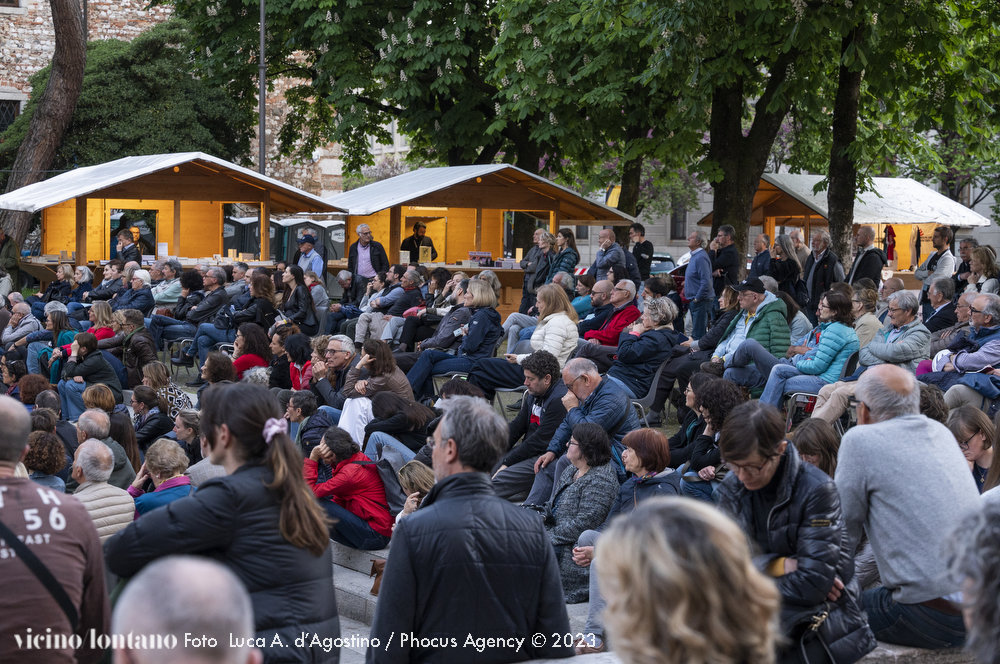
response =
{"points": [[39, 569]]}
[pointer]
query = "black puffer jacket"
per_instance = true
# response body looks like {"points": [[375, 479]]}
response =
{"points": [[234, 519], [468, 562], [806, 524]]}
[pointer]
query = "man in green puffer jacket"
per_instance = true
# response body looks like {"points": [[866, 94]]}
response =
{"points": [[762, 318]]}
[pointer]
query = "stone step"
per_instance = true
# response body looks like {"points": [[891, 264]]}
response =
{"points": [[354, 599], [888, 653], [359, 561]]}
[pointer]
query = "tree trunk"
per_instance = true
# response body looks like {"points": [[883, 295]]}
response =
{"points": [[843, 173], [742, 158], [628, 198], [52, 114]]}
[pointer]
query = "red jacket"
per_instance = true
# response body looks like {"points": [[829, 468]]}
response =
{"points": [[608, 335], [300, 378], [355, 487]]}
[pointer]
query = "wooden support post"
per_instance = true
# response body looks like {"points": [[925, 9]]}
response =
{"points": [[479, 229], [177, 228], [395, 234], [265, 227], [81, 231], [553, 221]]}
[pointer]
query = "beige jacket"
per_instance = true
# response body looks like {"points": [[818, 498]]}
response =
{"points": [[111, 508]]}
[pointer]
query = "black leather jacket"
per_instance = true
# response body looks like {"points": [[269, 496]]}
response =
{"points": [[806, 524], [484, 539]]}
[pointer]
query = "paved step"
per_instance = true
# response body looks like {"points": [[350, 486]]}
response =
{"points": [[354, 599], [359, 561]]}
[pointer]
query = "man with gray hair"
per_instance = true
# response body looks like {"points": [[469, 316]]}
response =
{"points": [[940, 296], [820, 271], [761, 263], [427, 611], [49, 528], [365, 259], [903, 342], [965, 247], [95, 423], [216, 608], [964, 369], [588, 398], [904, 483], [329, 374], [411, 296], [347, 308], [698, 287], [170, 329], [21, 324], [111, 508]]}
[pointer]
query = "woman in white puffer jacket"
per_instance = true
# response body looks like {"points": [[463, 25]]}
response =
{"points": [[555, 333]]}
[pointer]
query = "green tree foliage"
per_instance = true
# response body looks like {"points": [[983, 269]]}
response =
{"points": [[139, 97]]}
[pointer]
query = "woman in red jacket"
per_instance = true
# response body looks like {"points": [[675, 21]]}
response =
{"points": [[354, 496]]}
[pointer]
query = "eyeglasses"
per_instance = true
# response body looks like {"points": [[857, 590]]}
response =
{"points": [[893, 310], [329, 351], [620, 289], [750, 467], [823, 306], [573, 442], [964, 444], [974, 310]]}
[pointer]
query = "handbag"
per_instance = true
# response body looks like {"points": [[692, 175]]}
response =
{"points": [[43, 574], [807, 644]]}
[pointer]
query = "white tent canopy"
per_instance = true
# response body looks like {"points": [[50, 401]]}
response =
{"points": [[893, 201], [89, 179]]}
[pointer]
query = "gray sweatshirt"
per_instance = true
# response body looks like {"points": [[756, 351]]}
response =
{"points": [[907, 484]]}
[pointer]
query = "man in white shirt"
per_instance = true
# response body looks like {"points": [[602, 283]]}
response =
{"points": [[940, 264]]}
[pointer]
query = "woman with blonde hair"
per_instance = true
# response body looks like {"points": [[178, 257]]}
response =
{"points": [[983, 272], [864, 301], [681, 588], [555, 333], [481, 333]]}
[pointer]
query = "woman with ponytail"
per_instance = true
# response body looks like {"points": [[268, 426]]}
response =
{"points": [[258, 519]]}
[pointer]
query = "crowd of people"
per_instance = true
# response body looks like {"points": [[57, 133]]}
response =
{"points": [[756, 532]]}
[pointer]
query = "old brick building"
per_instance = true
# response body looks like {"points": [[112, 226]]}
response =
{"points": [[27, 42]]}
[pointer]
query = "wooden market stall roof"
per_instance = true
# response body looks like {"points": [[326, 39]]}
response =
{"points": [[787, 199], [492, 187], [178, 177]]}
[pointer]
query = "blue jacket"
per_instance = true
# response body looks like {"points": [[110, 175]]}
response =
{"points": [[564, 261], [130, 298], [760, 265], [604, 259], [150, 501], [76, 295], [636, 489], [698, 277], [610, 407], [640, 356], [484, 332], [827, 356]]}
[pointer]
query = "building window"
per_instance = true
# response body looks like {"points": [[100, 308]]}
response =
{"points": [[678, 223], [582, 233], [10, 3], [9, 109]]}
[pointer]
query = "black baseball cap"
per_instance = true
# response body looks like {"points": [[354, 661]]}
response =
{"points": [[752, 284]]}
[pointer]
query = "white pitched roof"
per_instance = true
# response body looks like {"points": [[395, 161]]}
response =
{"points": [[893, 201], [415, 184], [89, 179]]}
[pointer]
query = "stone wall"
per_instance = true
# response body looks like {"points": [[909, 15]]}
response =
{"points": [[27, 42]]}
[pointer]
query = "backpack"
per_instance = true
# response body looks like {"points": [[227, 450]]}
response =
{"points": [[388, 465]]}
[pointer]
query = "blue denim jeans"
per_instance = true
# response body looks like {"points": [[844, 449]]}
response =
{"points": [[786, 378], [433, 362], [380, 439], [71, 396], [207, 336], [911, 624], [165, 327], [351, 530], [700, 311], [704, 491], [751, 364]]}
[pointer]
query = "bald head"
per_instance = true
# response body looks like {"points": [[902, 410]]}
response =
{"points": [[217, 608], [21, 308], [866, 235], [15, 429], [888, 391], [890, 286]]}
